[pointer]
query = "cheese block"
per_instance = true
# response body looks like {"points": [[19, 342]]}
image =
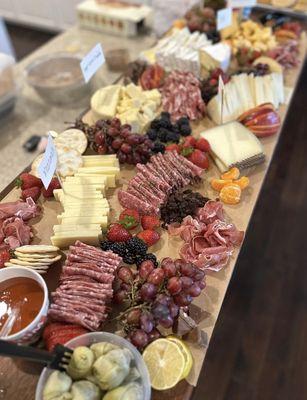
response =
{"points": [[232, 144], [75, 196], [215, 56], [92, 219], [99, 156], [71, 228], [83, 213], [100, 170], [79, 188], [104, 102], [108, 162], [88, 180], [65, 239]]}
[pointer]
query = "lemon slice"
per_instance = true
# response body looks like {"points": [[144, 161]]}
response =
{"points": [[186, 354], [165, 363]]}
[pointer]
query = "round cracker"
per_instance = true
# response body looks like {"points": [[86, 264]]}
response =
{"points": [[16, 261], [40, 260], [36, 256], [35, 164], [69, 161], [37, 248], [45, 268], [73, 138]]}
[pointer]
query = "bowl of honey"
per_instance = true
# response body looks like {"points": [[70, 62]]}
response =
{"points": [[24, 293]]}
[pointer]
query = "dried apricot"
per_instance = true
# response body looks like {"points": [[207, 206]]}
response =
{"points": [[233, 173], [230, 194], [243, 182], [218, 184]]}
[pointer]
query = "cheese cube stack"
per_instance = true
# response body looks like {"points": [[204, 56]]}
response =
{"points": [[82, 197], [244, 92]]}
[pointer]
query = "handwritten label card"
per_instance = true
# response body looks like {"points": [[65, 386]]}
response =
{"points": [[92, 62], [47, 167], [224, 18]]}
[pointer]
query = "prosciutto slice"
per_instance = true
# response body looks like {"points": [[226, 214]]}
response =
{"points": [[209, 240], [22, 209]]}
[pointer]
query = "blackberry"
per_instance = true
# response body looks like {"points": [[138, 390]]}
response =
{"points": [[106, 245], [129, 259], [119, 248], [152, 134], [165, 115], [136, 246], [155, 124], [158, 148], [183, 121], [165, 123], [162, 134], [173, 137], [148, 256], [185, 130]]}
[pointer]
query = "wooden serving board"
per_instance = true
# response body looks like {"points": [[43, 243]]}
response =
{"points": [[19, 379]]}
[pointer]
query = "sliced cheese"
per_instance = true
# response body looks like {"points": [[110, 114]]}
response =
{"points": [[111, 179], [83, 213], [95, 228], [66, 239], [78, 188], [92, 219], [95, 162]]}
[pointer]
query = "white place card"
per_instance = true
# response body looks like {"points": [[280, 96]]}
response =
{"points": [[241, 3], [47, 167], [92, 62], [223, 18]]}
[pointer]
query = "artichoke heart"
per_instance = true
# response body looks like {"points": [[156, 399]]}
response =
{"points": [[81, 362], [111, 369], [57, 387], [85, 390], [132, 391], [102, 348]]}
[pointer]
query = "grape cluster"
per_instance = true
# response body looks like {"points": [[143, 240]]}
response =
{"points": [[154, 296], [111, 137], [162, 131], [134, 251], [209, 87]]}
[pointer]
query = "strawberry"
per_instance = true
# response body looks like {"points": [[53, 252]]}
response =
{"points": [[203, 145], [173, 147], [54, 184], [33, 192], [189, 141], [199, 158], [4, 257], [117, 233], [150, 222], [187, 151], [27, 181], [129, 219], [149, 236], [62, 336]]}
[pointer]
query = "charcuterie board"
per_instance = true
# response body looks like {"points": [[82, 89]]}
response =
{"points": [[205, 308]]}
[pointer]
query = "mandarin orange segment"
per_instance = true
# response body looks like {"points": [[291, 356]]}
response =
{"points": [[230, 194], [233, 173], [243, 182], [218, 184]]}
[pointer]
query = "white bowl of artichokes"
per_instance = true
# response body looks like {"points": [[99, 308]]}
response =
{"points": [[103, 366]]}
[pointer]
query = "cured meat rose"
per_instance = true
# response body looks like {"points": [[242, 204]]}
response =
{"points": [[85, 286], [149, 188], [209, 239]]}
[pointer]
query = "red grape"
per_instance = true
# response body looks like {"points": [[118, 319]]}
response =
{"points": [[116, 123], [136, 158], [146, 322], [125, 132], [121, 157], [187, 270], [113, 132], [126, 148], [139, 338], [173, 309], [143, 149], [163, 299], [201, 284], [116, 144], [186, 282], [174, 285], [120, 296], [132, 139], [183, 299], [102, 149], [148, 291], [166, 322], [199, 275], [160, 311], [129, 159], [99, 138], [154, 335], [156, 277], [194, 290], [133, 317], [169, 268], [145, 269], [125, 274], [125, 286]]}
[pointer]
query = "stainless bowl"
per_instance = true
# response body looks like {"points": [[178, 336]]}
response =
{"points": [[58, 79]]}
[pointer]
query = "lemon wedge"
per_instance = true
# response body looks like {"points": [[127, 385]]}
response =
{"points": [[186, 354], [165, 362]]}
